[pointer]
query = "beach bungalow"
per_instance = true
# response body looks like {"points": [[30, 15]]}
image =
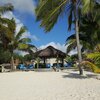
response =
{"points": [[51, 56]]}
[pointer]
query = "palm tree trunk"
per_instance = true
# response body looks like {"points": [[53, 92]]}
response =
{"points": [[77, 39], [37, 65], [78, 46], [37, 59], [57, 62], [12, 63]]}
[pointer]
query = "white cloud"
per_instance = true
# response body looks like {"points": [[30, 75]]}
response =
{"points": [[55, 45], [73, 52], [98, 1], [29, 35], [9, 15], [21, 52], [24, 6], [34, 37]]}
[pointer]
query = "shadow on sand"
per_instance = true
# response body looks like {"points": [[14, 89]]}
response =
{"points": [[77, 76]]}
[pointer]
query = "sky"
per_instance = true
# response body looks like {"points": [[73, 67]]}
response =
{"points": [[24, 14]]}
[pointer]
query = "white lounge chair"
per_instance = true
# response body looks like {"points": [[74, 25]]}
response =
{"points": [[3, 69]]}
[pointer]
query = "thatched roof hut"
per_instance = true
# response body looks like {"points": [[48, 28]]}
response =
{"points": [[50, 52]]}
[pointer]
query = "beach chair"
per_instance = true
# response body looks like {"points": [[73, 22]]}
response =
{"points": [[22, 67], [48, 65], [30, 67], [3, 69]]}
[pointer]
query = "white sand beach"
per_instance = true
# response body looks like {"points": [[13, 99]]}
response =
{"points": [[32, 85]]}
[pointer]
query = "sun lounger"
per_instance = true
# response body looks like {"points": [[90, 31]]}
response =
{"points": [[26, 68], [30, 67], [22, 67], [48, 65], [3, 69]]}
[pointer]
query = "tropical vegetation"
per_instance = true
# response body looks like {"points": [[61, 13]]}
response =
{"points": [[83, 15], [49, 11], [89, 33], [10, 40]]}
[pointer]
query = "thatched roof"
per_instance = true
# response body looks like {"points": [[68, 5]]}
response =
{"points": [[50, 52]]}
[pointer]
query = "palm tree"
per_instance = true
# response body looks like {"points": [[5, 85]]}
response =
{"points": [[17, 42], [48, 12], [88, 42], [89, 31], [9, 39]]}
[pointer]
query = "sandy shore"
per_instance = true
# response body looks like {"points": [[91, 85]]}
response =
{"points": [[66, 85]]}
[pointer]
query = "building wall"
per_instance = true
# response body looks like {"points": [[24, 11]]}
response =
{"points": [[53, 60]]}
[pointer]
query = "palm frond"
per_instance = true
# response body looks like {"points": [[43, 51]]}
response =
{"points": [[48, 12], [95, 56], [22, 46], [31, 49], [72, 44], [5, 32], [6, 8], [21, 32], [92, 66], [73, 36], [24, 40], [70, 17], [97, 48], [12, 25], [88, 6]]}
